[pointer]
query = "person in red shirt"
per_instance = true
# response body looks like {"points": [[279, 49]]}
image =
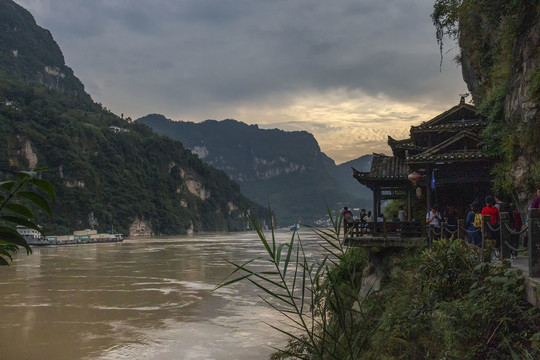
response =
{"points": [[493, 227]]}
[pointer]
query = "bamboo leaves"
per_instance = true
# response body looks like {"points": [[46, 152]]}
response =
{"points": [[315, 298]]}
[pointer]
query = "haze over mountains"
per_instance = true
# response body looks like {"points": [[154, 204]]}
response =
{"points": [[286, 168]]}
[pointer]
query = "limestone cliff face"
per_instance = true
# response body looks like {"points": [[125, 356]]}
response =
{"points": [[500, 54]]}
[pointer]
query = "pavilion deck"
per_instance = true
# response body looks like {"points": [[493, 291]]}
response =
{"points": [[386, 234]]}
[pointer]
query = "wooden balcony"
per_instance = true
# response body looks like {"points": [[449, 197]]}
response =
{"points": [[386, 234]]}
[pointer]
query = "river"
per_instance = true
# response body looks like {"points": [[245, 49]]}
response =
{"points": [[139, 299]]}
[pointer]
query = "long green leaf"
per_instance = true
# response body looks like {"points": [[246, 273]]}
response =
{"points": [[21, 221], [288, 258], [8, 185], [44, 186], [20, 209], [36, 199], [10, 236], [278, 253], [262, 237]]}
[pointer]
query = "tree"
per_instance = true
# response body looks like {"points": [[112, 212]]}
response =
{"points": [[15, 198]]}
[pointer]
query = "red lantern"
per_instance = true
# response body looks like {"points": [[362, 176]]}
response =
{"points": [[414, 177]]}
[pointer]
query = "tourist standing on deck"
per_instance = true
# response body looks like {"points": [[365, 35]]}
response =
{"points": [[348, 219], [493, 226], [401, 214], [536, 201], [534, 205], [433, 219], [515, 225], [474, 228]]}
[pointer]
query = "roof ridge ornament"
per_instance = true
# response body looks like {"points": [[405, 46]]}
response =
{"points": [[462, 98]]}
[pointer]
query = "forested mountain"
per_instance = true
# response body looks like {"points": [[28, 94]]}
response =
{"points": [[286, 168], [107, 172]]}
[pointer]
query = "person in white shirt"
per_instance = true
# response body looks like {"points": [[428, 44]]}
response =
{"points": [[401, 214], [433, 217]]}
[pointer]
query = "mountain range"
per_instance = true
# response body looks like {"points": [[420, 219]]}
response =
{"points": [[286, 169], [108, 173]]}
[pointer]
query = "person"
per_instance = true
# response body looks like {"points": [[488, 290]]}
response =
{"points": [[515, 225], [450, 223], [503, 206], [536, 201], [401, 214], [348, 219], [474, 233], [363, 221], [492, 230], [433, 219], [535, 204], [369, 217]]}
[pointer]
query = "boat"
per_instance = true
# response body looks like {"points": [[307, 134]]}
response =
{"points": [[87, 236], [295, 227]]}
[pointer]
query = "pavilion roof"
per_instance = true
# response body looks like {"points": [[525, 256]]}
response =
{"points": [[447, 151], [460, 117], [384, 167]]}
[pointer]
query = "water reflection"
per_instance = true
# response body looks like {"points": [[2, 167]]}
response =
{"points": [[140, 299]]}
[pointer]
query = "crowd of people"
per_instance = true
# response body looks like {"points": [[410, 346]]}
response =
{"points": [[446, 225], [492, 206]]}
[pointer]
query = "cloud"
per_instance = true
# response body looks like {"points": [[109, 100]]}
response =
{"points": [[320, 66]]}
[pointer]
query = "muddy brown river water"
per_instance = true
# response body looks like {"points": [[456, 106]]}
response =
{"points": [[140, 299]]}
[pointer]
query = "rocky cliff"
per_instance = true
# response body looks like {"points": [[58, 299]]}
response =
{"points": [[500, 58], [287, 168]]}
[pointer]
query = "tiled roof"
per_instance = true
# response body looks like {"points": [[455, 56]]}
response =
{"points": [[467, 155], [384, 167], [458, 125], [444, 151]]}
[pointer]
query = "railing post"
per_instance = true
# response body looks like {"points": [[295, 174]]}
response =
{"points": [[505, 235], [534, 242], [460, 226], [443, 231], [485, 221]]}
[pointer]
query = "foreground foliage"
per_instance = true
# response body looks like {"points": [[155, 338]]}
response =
{"points": [[16, 197], [439, 303]]}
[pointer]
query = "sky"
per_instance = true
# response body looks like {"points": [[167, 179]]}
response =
{"points": [[351, 72]]}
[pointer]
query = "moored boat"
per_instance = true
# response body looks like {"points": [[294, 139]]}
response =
{"points": [[87, 236]]}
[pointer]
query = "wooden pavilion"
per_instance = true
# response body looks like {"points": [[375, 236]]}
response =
{"points": [[445, 156]]}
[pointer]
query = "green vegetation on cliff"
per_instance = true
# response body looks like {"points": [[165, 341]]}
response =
{"points": [[108, 178], [107, 172], [500, 58], [414, 304], [288, 167]]}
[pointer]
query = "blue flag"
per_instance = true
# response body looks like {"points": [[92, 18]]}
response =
{"points": [[433, 179]]}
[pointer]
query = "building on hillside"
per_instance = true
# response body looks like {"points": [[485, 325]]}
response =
{"points": [[441, 162]]}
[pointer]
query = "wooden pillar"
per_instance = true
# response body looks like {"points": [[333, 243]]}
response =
{"points": [[376, 194], [409, 207], [505, 235], [428, 189], [534, 242]]}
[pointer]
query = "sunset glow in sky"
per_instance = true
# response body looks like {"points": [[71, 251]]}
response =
{"points": [[350, 72]]}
